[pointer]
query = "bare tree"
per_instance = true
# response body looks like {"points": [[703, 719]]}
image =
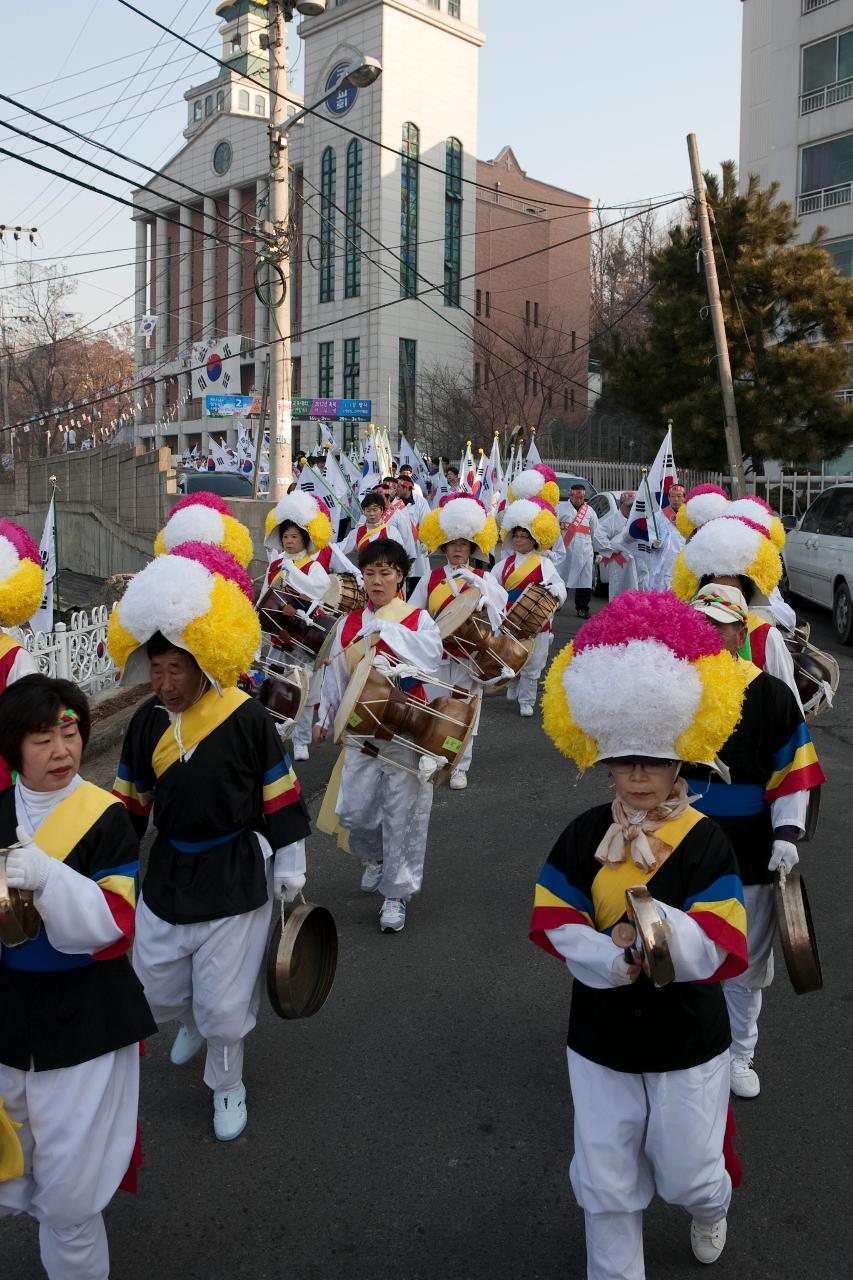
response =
{"points": [[620, 260], [55, 362]]}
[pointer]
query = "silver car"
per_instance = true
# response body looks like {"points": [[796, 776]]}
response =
{"points": [[818, 557]]}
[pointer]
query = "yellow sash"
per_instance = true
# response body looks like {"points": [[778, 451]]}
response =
{"points": [[609, 885], [522, 571], [441, 593], [395, 610], [66, 826], [7, 644], [327, 819], [201, 719], [11, 1151]]}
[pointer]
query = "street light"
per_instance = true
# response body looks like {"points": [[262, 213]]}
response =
{"points": [[359, 74]]}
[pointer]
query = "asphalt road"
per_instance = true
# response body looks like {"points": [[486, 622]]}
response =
{"points": [[420, 1126]]}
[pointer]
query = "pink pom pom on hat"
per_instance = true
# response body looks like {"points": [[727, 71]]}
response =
{"points": [[203, 499], [215, 560], [20, 540], [650, 615], [454, 497]]}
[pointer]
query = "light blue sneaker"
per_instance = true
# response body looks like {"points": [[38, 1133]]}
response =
{"points": [[229, 1112], [187, 1043], [392, 917]]}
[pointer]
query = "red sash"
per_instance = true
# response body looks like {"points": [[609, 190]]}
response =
{"points": [[577, 525]]}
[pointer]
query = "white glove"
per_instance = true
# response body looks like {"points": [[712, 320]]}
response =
{"points": [[784, 857], [619, 971], [287, 888], [27, 867]]}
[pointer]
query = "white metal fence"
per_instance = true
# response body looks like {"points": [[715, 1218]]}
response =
{"points": [[789, 495], [75, 652], [623, 475]]}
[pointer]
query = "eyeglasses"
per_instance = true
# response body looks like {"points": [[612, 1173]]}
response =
{"points": [[651, 764]]}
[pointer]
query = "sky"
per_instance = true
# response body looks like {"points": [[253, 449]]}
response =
{"points": [[596, 96]]}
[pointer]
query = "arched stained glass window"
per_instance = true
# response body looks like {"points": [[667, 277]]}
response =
{"points": [[352, 281], [328, 187], [452, 220], [409, 211]]}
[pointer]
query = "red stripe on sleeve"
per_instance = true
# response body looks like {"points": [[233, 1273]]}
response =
{"points": [[123, 914]]}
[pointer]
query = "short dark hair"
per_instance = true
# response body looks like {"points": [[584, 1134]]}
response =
{"points": [[455, 470], [374, 498], [33, 705], [405, 467], [385, 551], [291, 524], [157, 645]]}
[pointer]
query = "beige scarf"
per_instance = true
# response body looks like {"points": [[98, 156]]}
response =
{"points": [[635, 827]]}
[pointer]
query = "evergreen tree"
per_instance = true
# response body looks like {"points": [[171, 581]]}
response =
{"points": [[788, 315]]}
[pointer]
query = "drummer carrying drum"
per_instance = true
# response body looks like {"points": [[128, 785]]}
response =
{"points": [[299, 542], [383, 802], [229, 821], [648, 1064], [530, 526], [379, 522], [773, 765], [461, 528]]}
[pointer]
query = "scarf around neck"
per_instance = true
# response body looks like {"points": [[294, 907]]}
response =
{"points": [[635, 829]]}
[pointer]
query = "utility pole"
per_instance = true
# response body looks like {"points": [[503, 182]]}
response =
{"points": [[281, 423], [733, 445]]}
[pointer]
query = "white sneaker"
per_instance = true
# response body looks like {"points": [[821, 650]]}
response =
{"points": [[370, 876], [229, 1112], [458, 781], [526, 708], [187, 1043], [300, 753], [512, 691], [392, 917], [743, 1078], [707, 1239]]}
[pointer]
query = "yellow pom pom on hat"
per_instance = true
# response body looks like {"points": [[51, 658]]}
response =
{"points": [[199, 598], [536, 516], [459, 516], [204, 517], [21, 575], [306, 512], [729, 546], [703, 503], [647, 676]]}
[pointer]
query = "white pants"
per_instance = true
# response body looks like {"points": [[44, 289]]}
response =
{"points": [[638, 1134], [743, 993], [78, 1131], [387, 813], [455, 673], [528, 681], [301, 735], [208, 975]]}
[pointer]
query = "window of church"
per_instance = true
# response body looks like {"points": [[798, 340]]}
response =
{"points": [[328, 187], [220, 100], [260, 105], [352, 281], [409, 211], [243, 100], [452, 220], [208, 105], [197, 109]]}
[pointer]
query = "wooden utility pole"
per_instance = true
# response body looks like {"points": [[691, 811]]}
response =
{"points": [[281, 435], [733, 445]]}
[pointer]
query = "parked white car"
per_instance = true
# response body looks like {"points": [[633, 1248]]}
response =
{"points": [[818, 557]]}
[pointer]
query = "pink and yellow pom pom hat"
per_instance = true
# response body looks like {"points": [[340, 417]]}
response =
{"points": [[21, 575], [200, 599], [535, 515], [647, 676], [537, 481], [205, 517]]}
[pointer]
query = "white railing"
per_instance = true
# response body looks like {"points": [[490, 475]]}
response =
{"points": [[846, 396], [75, 652], [810, 5], [512, 202], [827, 198], [829, 96], [622, 475], [792, 494]]}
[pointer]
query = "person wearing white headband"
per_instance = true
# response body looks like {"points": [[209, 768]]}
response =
{"points": [[617, 550], [772, 766]]}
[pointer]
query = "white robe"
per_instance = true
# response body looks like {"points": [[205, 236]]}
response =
{"points": [[610, 540], [576, 568]]}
